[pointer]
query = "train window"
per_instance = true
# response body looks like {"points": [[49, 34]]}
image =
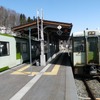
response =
{"points": [[79, 45], [4, 48], [92, 43], [24, 47], [91, 46], [18, 47]]}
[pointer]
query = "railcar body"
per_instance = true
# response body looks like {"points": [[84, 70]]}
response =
{"points": [[15, 50], [86, 51]]}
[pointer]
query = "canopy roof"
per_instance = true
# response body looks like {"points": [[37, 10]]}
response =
{"points": [[50, 27]]}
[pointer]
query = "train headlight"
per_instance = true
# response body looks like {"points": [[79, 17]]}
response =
{"points": [[93, 69]]}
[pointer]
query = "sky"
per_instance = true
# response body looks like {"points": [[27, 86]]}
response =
{"points": [[81, 13]]}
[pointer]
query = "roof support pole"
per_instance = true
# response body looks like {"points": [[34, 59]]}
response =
{"points": [[42, 56], [30, 46], [48, 51]]}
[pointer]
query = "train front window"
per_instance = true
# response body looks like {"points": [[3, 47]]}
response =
{"points": [[79, 45], [4, 48]]}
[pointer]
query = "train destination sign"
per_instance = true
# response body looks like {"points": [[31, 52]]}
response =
{"points": [[91, 33]]}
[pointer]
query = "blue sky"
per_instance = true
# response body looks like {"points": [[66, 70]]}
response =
{"points": [[81, 13]]}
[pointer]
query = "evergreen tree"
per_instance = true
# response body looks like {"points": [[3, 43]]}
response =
{"points": [[22, 19], [29, 19]]}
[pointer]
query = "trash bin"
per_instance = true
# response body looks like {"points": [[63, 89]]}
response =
{"points": [[37, 63]]}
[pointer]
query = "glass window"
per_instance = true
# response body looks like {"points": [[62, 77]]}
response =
{"points": [[93, 44], [24, 48], [79, 45], [18, 50], [4, 48]]}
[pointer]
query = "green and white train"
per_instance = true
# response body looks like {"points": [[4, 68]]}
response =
{"points": [[86, 52], [15, 50]]}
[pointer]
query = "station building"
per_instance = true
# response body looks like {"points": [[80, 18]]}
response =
{"points": [[50, 34]]}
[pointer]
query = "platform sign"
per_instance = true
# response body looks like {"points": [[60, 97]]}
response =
{"points": [[59, 32], [59, 27]]}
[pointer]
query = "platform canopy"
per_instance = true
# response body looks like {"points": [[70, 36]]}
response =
{"points": [[58, 30]]}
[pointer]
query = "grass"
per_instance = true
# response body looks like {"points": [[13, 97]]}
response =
{"points": [[4, 68]]}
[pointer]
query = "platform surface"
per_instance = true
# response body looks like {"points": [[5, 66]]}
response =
{"points": [[52, 82]]}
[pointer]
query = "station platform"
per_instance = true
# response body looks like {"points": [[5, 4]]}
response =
{"points": [[52, 82]]}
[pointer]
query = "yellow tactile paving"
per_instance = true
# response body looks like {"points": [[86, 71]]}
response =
{"points": [[54, 70], [22, 69], [22, 72]]}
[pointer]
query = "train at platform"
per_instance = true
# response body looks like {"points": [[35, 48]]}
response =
{"points": [[85, 55], [15, 50]]}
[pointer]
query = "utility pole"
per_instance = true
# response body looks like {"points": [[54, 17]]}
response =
{"points": [[42, 56], [38, 24]]}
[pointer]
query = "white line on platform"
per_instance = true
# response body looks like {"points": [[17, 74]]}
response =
{"points": [[28, 86]]}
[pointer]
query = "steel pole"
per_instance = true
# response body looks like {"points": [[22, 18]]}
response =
{"points": [[30, 46], [42, 56]]}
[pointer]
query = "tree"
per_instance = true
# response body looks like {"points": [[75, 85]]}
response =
{"points": [[22, 19], [8, 18], [29, 19]]}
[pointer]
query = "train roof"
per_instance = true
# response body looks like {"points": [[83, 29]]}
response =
{"points": [[87, 33], [4, 36]]}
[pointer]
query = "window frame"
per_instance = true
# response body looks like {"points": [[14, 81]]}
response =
{"points": [[7, 47], [80, 46]]}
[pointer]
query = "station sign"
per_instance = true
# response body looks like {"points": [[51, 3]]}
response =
{"points": [[59, 32]]}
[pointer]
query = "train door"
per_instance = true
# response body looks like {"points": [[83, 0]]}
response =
{"points": [[78, 51], [92, 50]]}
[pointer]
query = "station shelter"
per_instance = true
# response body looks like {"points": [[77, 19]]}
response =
{"points": [[49, 33]]}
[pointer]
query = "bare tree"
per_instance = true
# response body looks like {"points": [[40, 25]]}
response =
{"points": [[10, 18]]}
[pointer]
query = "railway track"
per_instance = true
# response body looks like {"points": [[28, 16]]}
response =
{"points": [[92, 89], [88, 87], [98, 78], [90, 93]]}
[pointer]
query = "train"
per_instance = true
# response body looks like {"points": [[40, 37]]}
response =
{"points": [[85, 55], [15, 50]]}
